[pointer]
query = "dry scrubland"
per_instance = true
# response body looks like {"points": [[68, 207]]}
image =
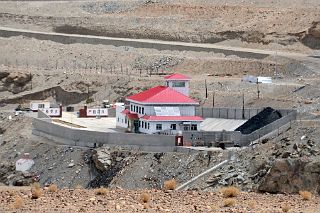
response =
{"points": [[118, 200]]}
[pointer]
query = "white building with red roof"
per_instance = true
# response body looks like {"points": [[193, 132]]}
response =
{"points": [[161, 108]]}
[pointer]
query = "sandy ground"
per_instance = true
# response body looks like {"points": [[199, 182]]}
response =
{"points": [[78, 200]]}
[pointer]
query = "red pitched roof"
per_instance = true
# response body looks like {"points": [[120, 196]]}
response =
{"points": [[131, 116], [177, 76], [172, 118], [162, 95]]}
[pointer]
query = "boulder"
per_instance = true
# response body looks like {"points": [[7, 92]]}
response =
{"points": [[291, 176], [102, 159], [4, 75], [315, 29]]}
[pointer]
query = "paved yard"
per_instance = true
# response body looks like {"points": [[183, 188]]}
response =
{"points": [[94, 124]]}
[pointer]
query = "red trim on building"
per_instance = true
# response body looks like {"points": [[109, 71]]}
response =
{"points": [[172, 118], [177, 76], [162, 94], [131, 116]]}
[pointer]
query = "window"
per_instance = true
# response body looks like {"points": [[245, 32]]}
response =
{"points": [[159, 127], [131, 108], [125, 120], [186, 127], [142, 124], [148, 125], [134, 108], [178, 84], [142, 111], [139, 110], [40, 106], [145, 125], [173, 126], [118, 119], [194, 127]]}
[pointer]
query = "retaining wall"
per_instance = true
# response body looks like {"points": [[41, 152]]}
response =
{"points": [[136, 43], [79, 137]]}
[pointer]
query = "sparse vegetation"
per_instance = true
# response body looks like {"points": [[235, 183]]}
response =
{"points": [[36, 185], [145, 198], [229, 202], [252, 204], [101, 191], [78, 186], [305, 195], [18, 202], [36, 193], [53, 188], [285, 208], [230, 191], [170, 184]]}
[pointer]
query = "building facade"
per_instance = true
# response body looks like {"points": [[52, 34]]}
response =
{"points": [[161, 108]]}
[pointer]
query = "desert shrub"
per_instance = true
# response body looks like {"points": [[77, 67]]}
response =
{"points": [[101, 191], [53, 188], [285, 208], [170, 184], [36, 193], [145, 198], [252, 204], [18, 202], [305, 195], [229, 202], [36, 185], [230, 191]]}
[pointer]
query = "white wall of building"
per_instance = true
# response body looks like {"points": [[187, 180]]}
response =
{"points": [[184, 90], [97, 112], [50, 111], [36, 105], [185, 110], [166, 125], [120, 117]]}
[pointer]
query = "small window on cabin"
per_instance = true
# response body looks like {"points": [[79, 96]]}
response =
{"points": [[125, 120], [148, 125], [194, 127], [118, 119], [159, 127], [139, 123], [142, 125], [40, 106], [173, 126], [139, 110], [142, 110], [131, 108], [178, 84]]}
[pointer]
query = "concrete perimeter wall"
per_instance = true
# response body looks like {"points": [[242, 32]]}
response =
{"points": [[235, 137], [245, 140], [232, 113], [79, 137]]}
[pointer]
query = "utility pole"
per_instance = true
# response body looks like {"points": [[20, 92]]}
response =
{"points": [[242, 105], [213, 100], [258, 91], [205, 82]]}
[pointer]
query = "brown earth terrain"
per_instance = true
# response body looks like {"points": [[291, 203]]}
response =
{"points": [[118, 200]]}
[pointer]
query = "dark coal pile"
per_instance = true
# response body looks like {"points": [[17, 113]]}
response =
{"points": [[263, 118]]}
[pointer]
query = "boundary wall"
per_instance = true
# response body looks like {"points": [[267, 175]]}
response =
{"points": [[214, 138], [233, 113], [78, 137]]}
